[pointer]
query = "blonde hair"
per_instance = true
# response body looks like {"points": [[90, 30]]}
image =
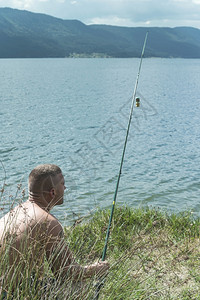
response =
{"points": [[42, 178]]}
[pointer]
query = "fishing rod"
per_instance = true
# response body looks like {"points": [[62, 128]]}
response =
{"points": [[121, 164]]}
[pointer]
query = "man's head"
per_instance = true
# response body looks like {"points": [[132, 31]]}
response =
{"points": [[47, 182]]}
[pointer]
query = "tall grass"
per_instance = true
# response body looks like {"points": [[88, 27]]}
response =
{"points": [[153, 255]]}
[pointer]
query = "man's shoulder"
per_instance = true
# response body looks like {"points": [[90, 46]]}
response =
{"points": [[45, 219], [54, 226]]}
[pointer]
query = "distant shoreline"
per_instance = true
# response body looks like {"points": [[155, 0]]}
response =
{"points": [[30, 35], [81, 56]]}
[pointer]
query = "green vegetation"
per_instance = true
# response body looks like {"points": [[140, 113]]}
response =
{"points": [[152, 255], [25, 34]]}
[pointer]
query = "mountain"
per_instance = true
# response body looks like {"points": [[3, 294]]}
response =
{"points": [[25, 34]]}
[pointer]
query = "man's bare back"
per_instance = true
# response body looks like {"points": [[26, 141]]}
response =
{"points": [[26, 223]]}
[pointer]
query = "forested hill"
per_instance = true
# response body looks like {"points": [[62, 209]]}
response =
{"points": [[25, 34]]}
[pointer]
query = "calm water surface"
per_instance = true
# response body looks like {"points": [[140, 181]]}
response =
{"points": [[74, 113]]}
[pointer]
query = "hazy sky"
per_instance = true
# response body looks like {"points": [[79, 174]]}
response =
{"points": [[117, 12]]}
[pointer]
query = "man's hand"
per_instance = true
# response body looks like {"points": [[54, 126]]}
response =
{"points": [[99, 269]]}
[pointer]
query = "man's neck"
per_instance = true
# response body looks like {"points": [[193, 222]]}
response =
{"points": [[40, 201]]}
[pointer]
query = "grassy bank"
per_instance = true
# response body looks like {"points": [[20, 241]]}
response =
{"points": [[153, 255]]}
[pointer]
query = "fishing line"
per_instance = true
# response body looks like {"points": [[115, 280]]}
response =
{"points": [[121, 164]]}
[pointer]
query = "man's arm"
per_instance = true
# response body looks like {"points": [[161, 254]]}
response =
{"points": [[58, 254], [61, 259]]}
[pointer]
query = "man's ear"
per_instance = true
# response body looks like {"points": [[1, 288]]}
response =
{"points": [[52, 192]]}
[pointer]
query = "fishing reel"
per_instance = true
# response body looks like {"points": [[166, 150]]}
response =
{"points": [[137, 100]]}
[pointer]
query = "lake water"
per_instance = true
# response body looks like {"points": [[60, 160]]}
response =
{"points": [[74, 113]]}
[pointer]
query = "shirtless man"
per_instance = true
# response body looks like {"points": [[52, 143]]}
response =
{"points": [[33, 233]]}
